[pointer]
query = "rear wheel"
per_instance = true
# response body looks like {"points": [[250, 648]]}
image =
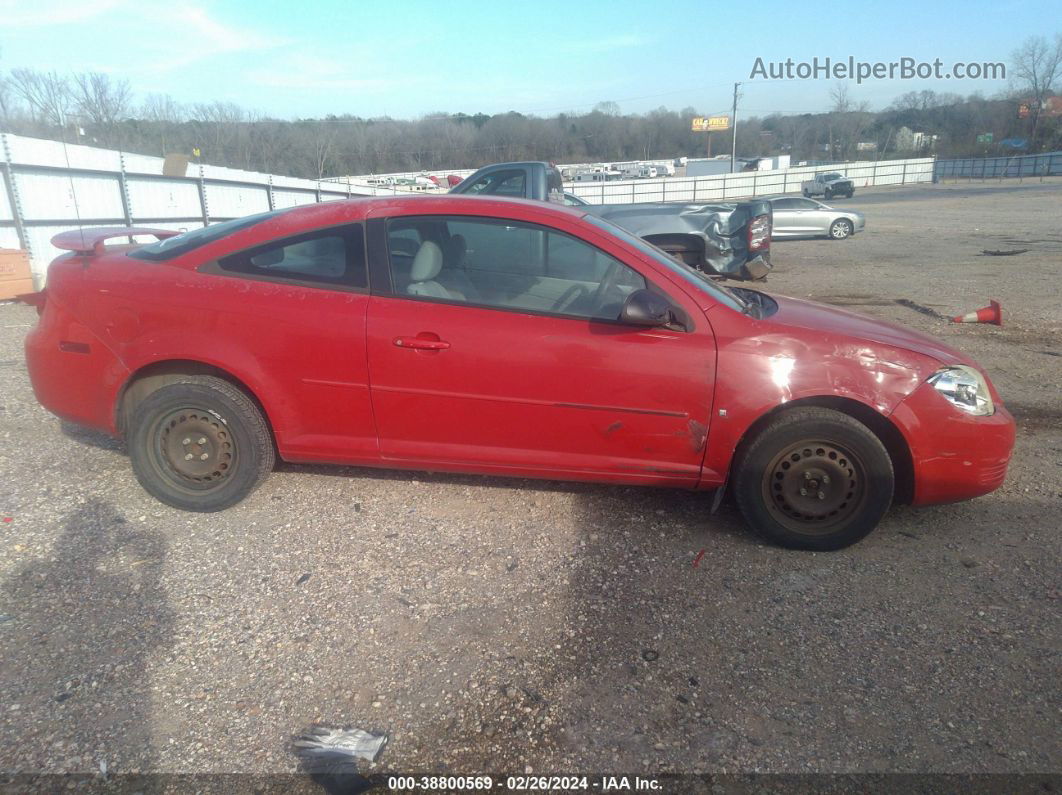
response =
{"points": [[814, 479], [841, 229], [199, 444]]}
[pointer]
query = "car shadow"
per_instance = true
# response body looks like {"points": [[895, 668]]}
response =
{"points": [[91, 438], [80, 623]]}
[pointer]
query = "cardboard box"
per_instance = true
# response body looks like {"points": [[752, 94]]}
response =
{"points": [[9, 288], [14, 264], [15, 275]]}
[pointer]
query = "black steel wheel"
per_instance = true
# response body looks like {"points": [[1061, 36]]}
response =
{"points": [[199, 444], [814, 478]]}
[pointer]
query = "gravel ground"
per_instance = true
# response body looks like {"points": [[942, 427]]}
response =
{"points": [[509, 625]]}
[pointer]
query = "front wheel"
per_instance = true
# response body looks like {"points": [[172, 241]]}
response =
{"points": [[841, 229], [813, 479], [199, 444]]}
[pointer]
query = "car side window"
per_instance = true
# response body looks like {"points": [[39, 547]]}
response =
{"points": [[500, 183], [784, 204], [509, 265], [329, 257], [804, 204]]}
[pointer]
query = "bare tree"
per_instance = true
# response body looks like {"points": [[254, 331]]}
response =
{"points": [[101, 101], [1037, 66], [323, 143], [162, 108], [7, 100], [46, 93]]}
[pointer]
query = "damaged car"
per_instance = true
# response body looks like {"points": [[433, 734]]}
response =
{"points": [[725, 240], [514, 338]]}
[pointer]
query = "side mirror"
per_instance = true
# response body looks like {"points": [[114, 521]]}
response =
{"points": [[646, 308]]}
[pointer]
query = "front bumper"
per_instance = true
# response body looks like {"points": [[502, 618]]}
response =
{"points": [[956, 456]]}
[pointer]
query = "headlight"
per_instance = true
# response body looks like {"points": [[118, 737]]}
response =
{"points": [[965, 388]]}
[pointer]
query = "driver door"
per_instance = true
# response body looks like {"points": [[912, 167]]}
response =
{"points": [[512, 360]]}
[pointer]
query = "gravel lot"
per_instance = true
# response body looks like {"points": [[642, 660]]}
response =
{"points": [[509, 625]]}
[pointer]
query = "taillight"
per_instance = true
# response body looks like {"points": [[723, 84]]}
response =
{"points": [[34, 299], [760, 233]]}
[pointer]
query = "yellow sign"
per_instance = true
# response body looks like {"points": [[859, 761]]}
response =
{"points": [[710, 123]]}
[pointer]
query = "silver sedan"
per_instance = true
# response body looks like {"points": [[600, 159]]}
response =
{"points": [[795, 217]]}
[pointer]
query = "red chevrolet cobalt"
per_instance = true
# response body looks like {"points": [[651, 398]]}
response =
{"points": [[506, 337]]}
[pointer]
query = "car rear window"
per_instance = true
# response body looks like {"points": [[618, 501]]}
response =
{"points": [[173, 247]]}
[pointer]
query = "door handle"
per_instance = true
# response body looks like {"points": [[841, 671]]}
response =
{"points": [[421, 343]]}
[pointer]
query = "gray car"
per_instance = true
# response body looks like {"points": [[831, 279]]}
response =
{"points": [[795, 217]]}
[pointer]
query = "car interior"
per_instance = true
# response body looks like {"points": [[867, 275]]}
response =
{"points": [[507, 265]]}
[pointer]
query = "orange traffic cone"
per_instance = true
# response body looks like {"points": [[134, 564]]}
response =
{"points": [[992, 313]]}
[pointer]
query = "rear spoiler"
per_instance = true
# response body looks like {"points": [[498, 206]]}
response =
{"points": [[91, 241]]}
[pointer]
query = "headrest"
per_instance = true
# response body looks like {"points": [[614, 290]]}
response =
{"points": [[427, 263]]}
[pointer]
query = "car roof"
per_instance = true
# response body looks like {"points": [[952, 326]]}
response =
{"points": [[307, 217], [365, 207], [462, 204]]}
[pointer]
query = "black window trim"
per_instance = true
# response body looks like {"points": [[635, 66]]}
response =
{"points": [[382, 282], [235, 225], [214, 268]]}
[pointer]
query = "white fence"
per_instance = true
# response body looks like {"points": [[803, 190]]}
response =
{"points": [[743, 184], [47, 187]]}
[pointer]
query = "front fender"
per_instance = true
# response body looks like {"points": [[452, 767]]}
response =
{"points": [[762, 366]]}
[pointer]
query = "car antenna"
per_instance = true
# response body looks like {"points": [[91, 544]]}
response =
{"points": [[70, 177]]}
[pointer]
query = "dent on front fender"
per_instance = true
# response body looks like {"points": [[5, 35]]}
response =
{"points": [[760, 373]]}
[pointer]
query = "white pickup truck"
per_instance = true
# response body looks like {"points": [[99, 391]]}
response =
{"points": [[828, 185]]}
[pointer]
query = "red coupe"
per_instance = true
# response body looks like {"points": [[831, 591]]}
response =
{"points": [[506, 337]]}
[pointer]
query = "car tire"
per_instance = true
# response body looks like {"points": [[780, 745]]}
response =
{"points": [[827, 195], [199, 444], [807, 194], [850, 194], [841, 229], [802, 454]]}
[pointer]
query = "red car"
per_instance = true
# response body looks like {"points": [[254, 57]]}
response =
{"points": [[499, 336]]}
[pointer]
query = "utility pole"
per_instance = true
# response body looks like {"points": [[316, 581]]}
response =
{"points": [[733, 142]]}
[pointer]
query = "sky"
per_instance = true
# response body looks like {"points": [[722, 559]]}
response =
{"points": [[408, 58]]}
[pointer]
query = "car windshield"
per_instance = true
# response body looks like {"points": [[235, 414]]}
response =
{"points": [[187, 241], [694, 277], [831, 176]]}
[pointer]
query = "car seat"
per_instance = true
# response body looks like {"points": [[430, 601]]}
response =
{"points": [[454, 277], [426, 266]]}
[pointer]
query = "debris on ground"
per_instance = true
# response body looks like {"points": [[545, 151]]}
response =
{"points": [[336, 750]]}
